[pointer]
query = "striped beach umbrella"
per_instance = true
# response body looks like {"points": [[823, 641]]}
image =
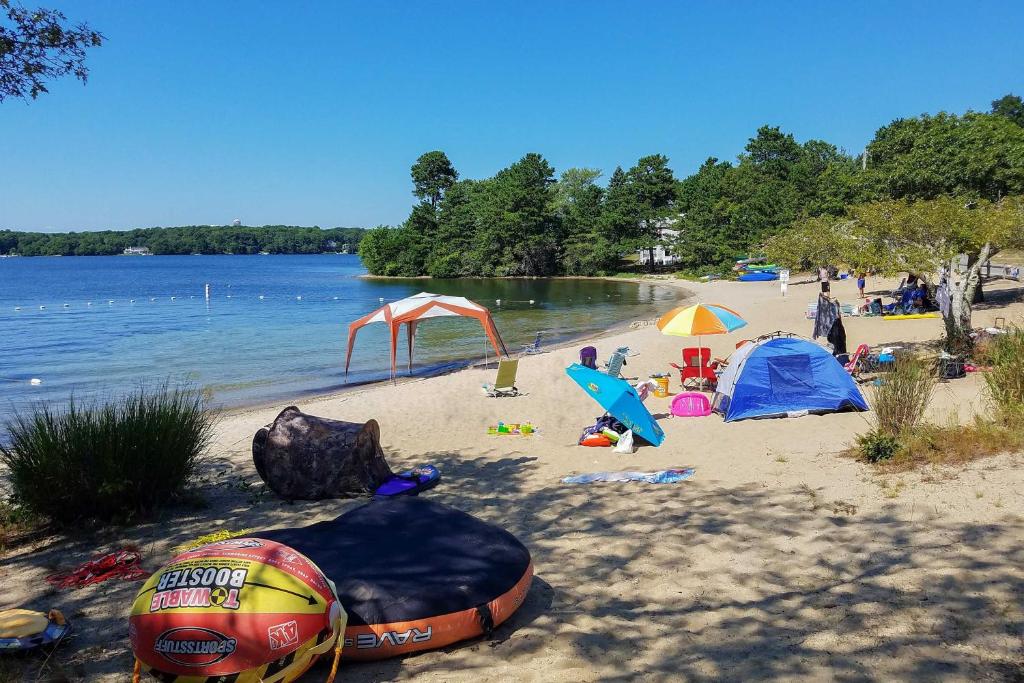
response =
{"points": [[700, 319]]}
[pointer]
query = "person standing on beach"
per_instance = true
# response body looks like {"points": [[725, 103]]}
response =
{"points": [[861, 281], [823, 276]]}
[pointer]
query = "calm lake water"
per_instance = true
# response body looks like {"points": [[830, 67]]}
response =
{"points": [[91, 339]]}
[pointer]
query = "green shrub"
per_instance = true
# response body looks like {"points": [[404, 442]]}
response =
{"points": [[876, 446], [107, 461], [903, 395], [1006, 379]]}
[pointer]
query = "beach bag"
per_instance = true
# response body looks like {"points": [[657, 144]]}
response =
{"points": [[625, 444], [951, 368], [604, 422]]}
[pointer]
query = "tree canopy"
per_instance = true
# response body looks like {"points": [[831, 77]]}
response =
{"points": [[977, 155], [727, 209], [432, 176], [524, 222], [37, 46], [1011, 107]]}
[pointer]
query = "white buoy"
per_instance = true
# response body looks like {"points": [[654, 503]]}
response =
{"points": [[42, 308], [191, 296], [261, 297], [152, 298], [380, 299], [88, 303], [207, 290], [67, 305], [229, 296], [110, 301], [17, 308], [298, 298], [335, 298], [35, 381], [131, 301]]}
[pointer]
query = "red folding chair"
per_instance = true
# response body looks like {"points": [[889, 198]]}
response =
{"points": [[697, 369], [854, 365]]}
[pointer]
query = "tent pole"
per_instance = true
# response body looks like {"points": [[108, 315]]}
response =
{"points": [[410, 332]]}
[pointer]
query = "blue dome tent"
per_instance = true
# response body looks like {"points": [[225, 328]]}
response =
{"points": [[784, 376]]}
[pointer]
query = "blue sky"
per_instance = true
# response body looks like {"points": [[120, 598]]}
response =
{"points": [[312, 112]]}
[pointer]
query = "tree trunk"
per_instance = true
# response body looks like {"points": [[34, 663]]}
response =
{"points": [[963, 288], [650, 259], [304, 457]]}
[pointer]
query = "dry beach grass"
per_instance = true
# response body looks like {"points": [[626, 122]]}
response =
{"points": [[778, 560]]}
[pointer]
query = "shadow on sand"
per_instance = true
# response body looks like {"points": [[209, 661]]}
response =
{"points": [[675, 582]]}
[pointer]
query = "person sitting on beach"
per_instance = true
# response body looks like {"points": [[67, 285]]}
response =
{"points": [[861, 281], [921, 293]]}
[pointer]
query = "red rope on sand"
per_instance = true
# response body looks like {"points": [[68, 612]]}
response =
{"points": [[123, 564]]}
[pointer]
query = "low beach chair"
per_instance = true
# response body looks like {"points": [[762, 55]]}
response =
{"points": [[588, 357], [505, 382], [856, 361], [535, 346], [615, 363]]}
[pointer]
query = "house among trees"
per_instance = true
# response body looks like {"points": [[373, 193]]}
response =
{"points": [[137, 251], [662, 253]]}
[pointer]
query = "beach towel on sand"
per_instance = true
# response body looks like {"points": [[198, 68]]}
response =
{"points": [[123, 564], [659, 477]]}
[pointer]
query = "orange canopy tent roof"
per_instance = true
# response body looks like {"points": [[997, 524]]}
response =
{"points": [[411, 310]]}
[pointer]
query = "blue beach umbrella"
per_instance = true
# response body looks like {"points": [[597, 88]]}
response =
{"points": [[620, 400]]}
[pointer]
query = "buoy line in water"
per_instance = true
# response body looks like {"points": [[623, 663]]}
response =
{"points": [[234, 297]]}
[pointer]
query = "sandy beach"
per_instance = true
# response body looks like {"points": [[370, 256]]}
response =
{"points": [[780, 559]]}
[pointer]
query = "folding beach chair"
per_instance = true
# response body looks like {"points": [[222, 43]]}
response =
{"points": [[505, 382], [697, 368], [854, 366], [615, 363], [535, 346], [588, 357]]}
